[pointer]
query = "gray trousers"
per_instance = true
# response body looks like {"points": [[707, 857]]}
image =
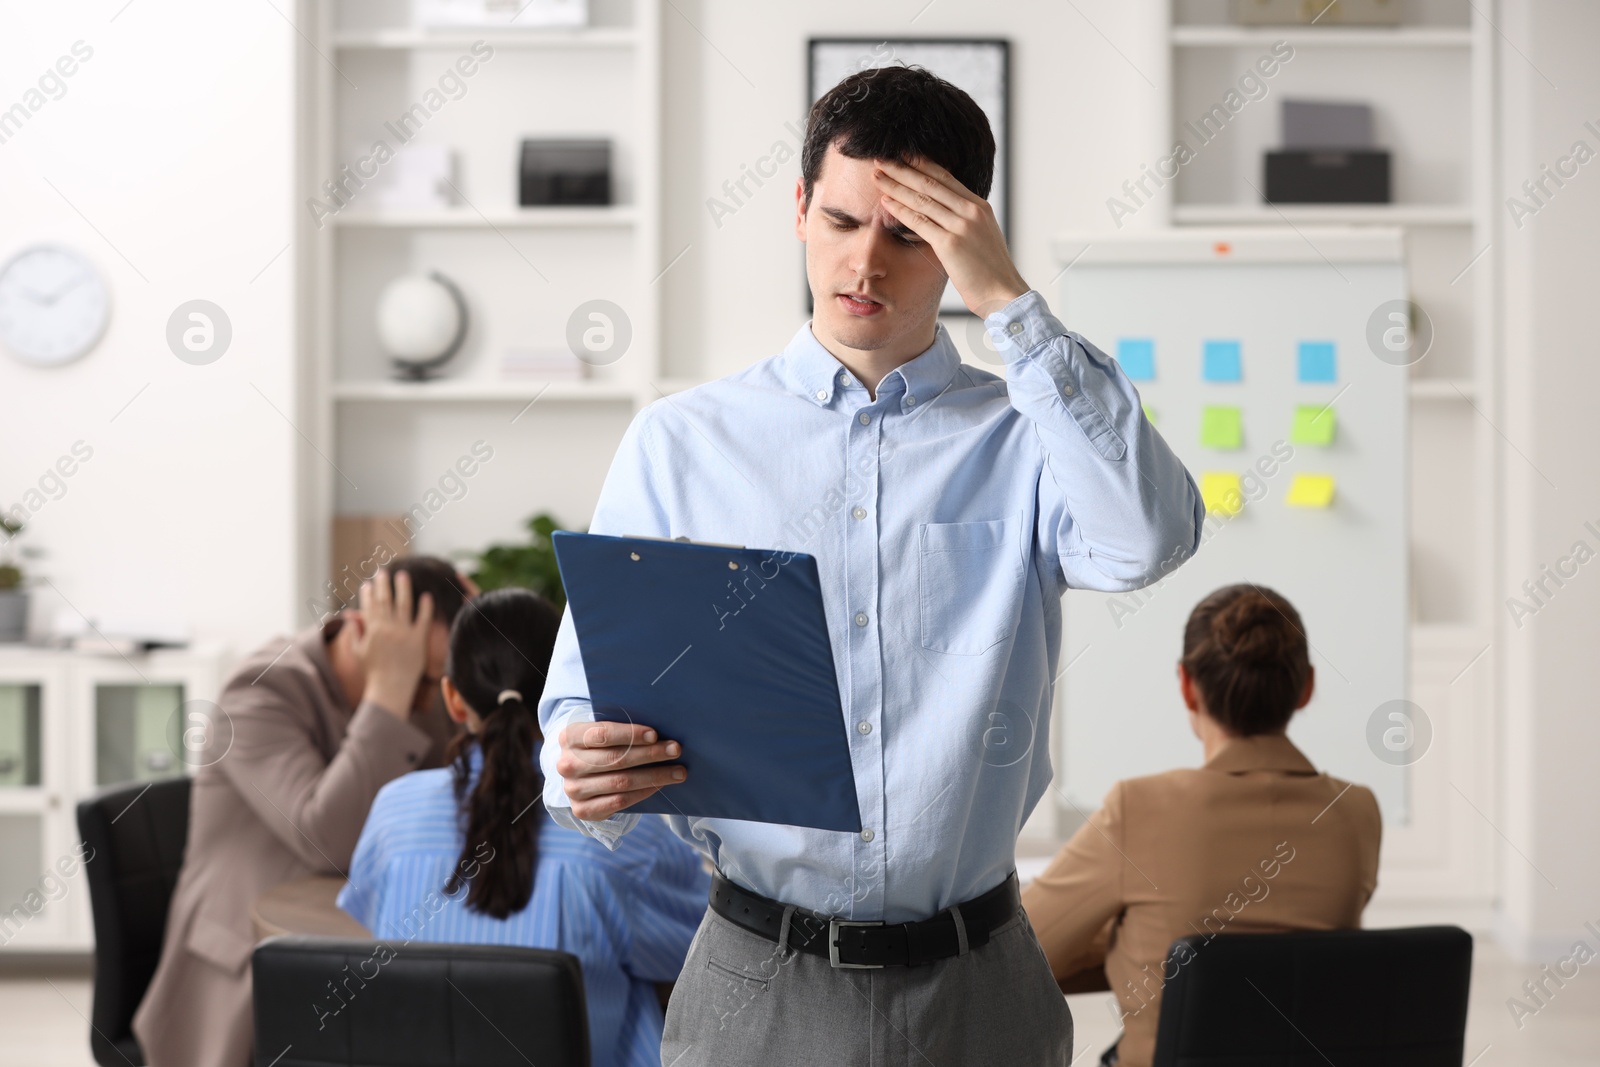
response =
{"points": [[740, 1002]]}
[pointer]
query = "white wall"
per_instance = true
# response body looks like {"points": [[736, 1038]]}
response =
{"points": [[1550, 863], [167, 161]]}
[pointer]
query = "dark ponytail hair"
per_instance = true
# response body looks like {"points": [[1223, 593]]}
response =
{"points": [[1245, 649], [501, 640]]}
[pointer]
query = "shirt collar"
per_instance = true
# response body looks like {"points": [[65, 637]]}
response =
{"points": [[813, 372], [1263, 752]]}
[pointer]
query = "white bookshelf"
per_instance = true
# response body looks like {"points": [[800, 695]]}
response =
{"points": [[1324, 214], [420, 40], [1203, 36], [1431, 83], [458, 217], [379, 444]]}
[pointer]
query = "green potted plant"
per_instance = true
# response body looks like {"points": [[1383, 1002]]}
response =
{"points": [[13, 598], [531, 565]]}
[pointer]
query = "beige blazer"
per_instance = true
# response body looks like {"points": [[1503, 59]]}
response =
{"points": [[1256, 840], [291, 772]]}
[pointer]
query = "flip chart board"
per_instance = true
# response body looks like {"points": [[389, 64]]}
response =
{"points": [[1253, 347]]}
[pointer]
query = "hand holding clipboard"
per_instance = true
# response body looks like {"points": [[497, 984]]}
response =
{"points": [[718, 650]]}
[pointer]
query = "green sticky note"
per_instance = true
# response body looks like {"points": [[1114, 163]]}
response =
{"points": [[1313, 425], [1149, 413], [1221, 427]]}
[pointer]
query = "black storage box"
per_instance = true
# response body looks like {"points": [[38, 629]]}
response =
{"points": [[1328, 176], [564, 172]]}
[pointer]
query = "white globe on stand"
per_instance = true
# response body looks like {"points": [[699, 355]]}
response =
{"points": [[417, 318]]}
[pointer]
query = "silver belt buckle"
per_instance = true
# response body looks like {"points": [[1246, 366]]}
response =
{"points": [[833, 945]]}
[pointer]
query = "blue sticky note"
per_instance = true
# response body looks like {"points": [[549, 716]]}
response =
{"points": [[1221, 363], [1137, 357], [1317, 362]]}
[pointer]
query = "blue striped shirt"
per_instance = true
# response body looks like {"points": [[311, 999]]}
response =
{"points": [[627, 915]]}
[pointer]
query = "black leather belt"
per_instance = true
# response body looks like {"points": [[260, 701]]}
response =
{"points": [[853, 944]]}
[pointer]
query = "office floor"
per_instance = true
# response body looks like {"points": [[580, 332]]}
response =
{"points": [[43, 1019]]}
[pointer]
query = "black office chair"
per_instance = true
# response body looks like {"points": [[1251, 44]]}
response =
{"points": [[1308, 998], [137, 834], [337, 1001]]}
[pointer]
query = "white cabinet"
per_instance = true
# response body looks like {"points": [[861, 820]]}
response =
{"points": [[71, 724]]}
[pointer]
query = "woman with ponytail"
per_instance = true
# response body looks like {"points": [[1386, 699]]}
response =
{"points": [[1254, 840], [467, 854]]}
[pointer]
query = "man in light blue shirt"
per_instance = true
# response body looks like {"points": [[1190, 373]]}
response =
{"points": [[948, 510]]}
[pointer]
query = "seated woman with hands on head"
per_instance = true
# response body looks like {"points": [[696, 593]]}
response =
{"points": [[1255, 840], [467, 854]]}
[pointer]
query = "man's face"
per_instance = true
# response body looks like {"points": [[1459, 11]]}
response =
{"points": [[853, 245]]}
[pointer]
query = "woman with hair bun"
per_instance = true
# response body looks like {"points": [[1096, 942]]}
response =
{"points": [[466, 853], [1254, 840]]}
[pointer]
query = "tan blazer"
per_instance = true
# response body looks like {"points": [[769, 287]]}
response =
{"points": [[283, 797], [1256, 840]]}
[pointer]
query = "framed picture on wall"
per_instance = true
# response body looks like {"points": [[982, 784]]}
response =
{"points": [[980, 67]]}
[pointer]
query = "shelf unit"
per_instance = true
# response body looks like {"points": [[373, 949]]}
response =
{"points": [[1431, 84], [411, 39], [72, 724], [378, 443]]}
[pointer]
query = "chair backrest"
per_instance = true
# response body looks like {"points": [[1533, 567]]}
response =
{"points": [[135, 835], [1313, 997], [337, 1001]]}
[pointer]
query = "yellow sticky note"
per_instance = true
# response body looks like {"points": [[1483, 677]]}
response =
{"points": [[1149, 413], [1221, 493], [1221, 427], [1311, 491], [1313, 425]]}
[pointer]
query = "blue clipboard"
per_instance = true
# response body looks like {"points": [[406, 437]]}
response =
{"points": [[724, 650]]}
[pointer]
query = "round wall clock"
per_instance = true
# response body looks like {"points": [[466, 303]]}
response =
{"points": [[54, 305]]}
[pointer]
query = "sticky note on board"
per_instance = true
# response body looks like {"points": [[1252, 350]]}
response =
{"points": [[1220, 361], [1317, 363], [1311, 491], [1137, 358], [1313, 425], [1221, 493], [1149, 413], [1221, 427]]}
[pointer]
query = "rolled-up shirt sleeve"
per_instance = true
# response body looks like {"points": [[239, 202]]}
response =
{"points": [[628, 505], [1117, 508]]}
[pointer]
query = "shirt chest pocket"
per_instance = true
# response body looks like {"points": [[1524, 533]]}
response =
{"points": [[969, 584]]}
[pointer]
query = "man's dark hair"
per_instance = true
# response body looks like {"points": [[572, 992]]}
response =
{"points": [[898, 113], [430, 574]]}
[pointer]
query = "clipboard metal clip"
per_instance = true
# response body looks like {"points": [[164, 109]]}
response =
{"points": [[685, 540]]}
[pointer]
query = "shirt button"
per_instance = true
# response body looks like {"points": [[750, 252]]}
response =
{"points": [[865, 418], [822, 394], [867, 835], [861, 618], [844, 377], [863, 727], [911, 401], [1067, 390], [1015, 327], [859, 512]]}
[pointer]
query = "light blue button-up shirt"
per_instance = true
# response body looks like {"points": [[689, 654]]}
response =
{"points": [[947, 517]]}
